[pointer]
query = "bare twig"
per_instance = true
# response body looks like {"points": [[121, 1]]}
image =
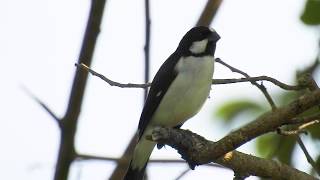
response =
{"points": [[260, 86], [147, 48], [306, 153], [214, 81], [303, 126], [110, 82], [43, 105], [183, 173], [300, 129], [258, 78]]}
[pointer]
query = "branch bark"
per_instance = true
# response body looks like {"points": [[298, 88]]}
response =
{"points": [[209, 12], [267, 122], [196, 150]]}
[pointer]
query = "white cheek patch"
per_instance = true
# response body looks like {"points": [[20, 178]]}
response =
{"points": [[198, 47]]}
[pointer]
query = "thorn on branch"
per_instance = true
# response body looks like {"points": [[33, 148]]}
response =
{"points": [[44, 106]]}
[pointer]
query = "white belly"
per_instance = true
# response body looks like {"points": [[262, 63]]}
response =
{"points": [[187, 93]]}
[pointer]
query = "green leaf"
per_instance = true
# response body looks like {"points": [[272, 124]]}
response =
{"points": [[230, 110], [266, 144], [273, 145], [314, 130], [311, 13], [285, 149]]}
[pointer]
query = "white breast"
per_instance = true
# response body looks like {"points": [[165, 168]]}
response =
{"points": [[187, 93]]}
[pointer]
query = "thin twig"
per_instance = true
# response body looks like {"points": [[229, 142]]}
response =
{"points": [[296, 133], [182, 173], [306, 153], [260, 86], [110, 82], [258, 78], [299, 130], [214, 81], [43, 105], [147, 48]]}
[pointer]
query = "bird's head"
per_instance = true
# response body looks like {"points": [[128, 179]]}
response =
{"points": [[199, 40]]}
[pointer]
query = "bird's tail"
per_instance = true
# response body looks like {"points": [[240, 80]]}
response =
{"points": [[139, 160], [135, 174]]}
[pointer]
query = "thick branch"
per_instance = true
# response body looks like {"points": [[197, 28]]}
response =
{"points": [[196, 151], [267, 122], [69, 121], [209, 12]]}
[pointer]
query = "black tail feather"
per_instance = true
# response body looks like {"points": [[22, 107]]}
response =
{"points": [[135, 174]]}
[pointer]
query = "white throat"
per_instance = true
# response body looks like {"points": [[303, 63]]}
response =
{"points": [[198, 47]]}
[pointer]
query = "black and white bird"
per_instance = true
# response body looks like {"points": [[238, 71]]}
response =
{"points": [[177, 92]]}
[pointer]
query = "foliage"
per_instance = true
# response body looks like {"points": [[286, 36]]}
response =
{"points": [[270, 145], [232, 109], [311, 13]]}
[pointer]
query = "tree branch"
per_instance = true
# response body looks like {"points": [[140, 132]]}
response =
{"points": [[69, 122], [306, 153], [109, 81], [300, 129], [259, 78], [260, 86], [196, 150], [214, 81], [267, 122], [209, 12], [183, 173], [296, 133], [147, 47]]}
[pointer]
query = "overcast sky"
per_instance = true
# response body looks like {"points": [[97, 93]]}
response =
{"points": [[40, 42]]}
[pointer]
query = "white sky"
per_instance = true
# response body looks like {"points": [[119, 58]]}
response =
{"points": [[40, 41]]}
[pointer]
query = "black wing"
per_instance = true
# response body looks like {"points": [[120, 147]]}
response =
{"points": [[161, 82]]}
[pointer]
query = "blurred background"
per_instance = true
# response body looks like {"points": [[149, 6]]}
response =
{"points": [[40, 41]]}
